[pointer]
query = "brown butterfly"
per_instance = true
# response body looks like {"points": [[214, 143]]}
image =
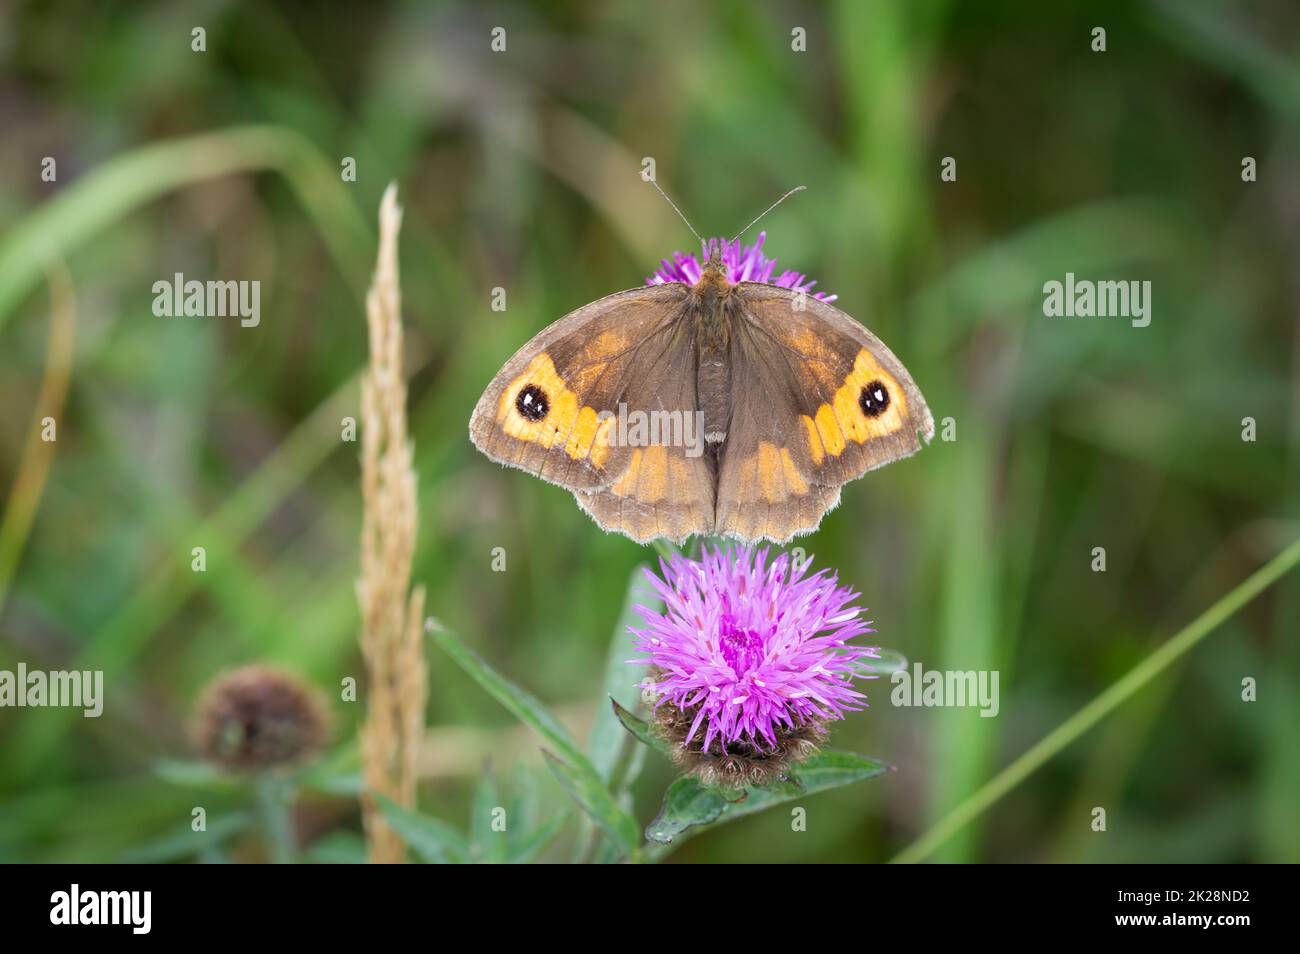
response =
{"points": [[715, 408]]}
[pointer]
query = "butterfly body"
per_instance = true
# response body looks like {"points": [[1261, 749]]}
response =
{"points": [[713, 408], [708, 307]]}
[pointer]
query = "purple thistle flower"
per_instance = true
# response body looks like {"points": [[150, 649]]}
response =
{"points": [[751, 654], [747, 264]]}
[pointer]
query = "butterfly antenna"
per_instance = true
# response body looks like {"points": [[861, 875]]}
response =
{"points": [[675, 209], [767, 210]]}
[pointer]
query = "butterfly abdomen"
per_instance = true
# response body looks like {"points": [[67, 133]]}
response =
{"points": [[711, 305]]}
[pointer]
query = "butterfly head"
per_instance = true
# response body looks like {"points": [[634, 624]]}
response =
{"points": [[713, 281], [714, 266]]}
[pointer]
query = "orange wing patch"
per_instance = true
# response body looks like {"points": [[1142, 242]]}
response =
{"points": [[565, 420], [820, 359], [815, 447], [770, 475], [847, 418], [595, 358], [651, 474]]}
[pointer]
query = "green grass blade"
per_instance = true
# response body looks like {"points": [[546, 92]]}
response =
{"points": [[532, 846], [187, 843], [486, 844], [607, 740], [586, 789], [125, 183], [1101, 706], [522, 705], [430, 838]]}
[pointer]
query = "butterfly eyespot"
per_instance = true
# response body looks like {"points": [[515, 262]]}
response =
{"points": [[874, 399], [532, 403]]}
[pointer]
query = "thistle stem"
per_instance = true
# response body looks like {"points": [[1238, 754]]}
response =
{"points": [[275, 810], [1100, 707]]}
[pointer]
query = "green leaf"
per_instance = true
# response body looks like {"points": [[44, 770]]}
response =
{"points": [[666, 549], [606, 852], [338, 773], [523, 809], [688, 805], [187, 843], [431, 838], [337, 848], [196, 773], [570, 766], [890, 662], [832, 768], [342, 784], [607, 741], [521, 704], [588, 791], [532, 846], [486, 844], [640, 728]]}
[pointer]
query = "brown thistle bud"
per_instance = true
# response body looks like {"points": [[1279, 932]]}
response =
{"points": [[742, 765], [256, 718]]}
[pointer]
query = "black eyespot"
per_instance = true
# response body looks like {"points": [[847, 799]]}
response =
{"points": [[874, 399], [532, 403]]}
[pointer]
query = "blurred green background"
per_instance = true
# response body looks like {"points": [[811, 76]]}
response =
{"points": [[521, 170]]}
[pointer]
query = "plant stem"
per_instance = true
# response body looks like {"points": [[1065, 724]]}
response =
{"points": [[1100, 707], [275, 809], [665, 549]]}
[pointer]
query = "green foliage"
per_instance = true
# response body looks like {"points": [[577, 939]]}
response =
{"points": [[433, 841], [687, 805], [521, 171], [573, 769], [691, 807]]}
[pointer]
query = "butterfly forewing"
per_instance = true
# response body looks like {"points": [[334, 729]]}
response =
{"points": [[565, 408]]}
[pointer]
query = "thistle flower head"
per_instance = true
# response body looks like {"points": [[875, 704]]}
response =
{"points": [[750, 660], [255, 718], [744, 264]]}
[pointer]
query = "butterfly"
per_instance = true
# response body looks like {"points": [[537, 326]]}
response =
{"points": [[715, 408]]}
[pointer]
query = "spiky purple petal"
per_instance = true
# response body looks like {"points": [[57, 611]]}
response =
{"points": [[756, 645], [744, 264]]}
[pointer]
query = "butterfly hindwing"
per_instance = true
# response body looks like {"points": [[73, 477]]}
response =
{"points": [[667, 489]]}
